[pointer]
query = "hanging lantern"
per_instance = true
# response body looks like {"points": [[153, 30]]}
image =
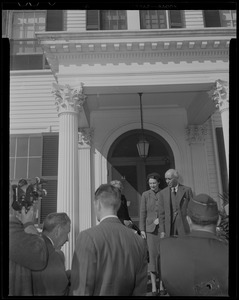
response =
{"points": [[143, 144]]}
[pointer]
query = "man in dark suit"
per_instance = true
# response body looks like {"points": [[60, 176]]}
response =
{"points": [[109, 258], [54, 280], [173, 202], [196, 264]]}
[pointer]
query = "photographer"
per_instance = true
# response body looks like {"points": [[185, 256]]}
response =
{"points": [[27, 252], [27, 249]]}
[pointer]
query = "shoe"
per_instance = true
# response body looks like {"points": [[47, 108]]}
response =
{"points": [[154, 294], [162, 292]]}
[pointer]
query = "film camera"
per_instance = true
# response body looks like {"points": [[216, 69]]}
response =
{"points": [[25, 195]]}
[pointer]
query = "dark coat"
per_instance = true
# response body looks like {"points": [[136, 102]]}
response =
{"points": [[123, 213], [148, 211], [194, 265], [183, 196], [53, 280], [109, 260], [27, 252]]}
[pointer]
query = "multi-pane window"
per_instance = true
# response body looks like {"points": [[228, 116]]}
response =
{"points": [[160, 19], [36, 156], [106, 20], [113, 19], [219, 18], [25, 157], [26, 53]]}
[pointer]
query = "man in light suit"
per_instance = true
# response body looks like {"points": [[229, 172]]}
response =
{"points": [[109, 258], [173, 203]]}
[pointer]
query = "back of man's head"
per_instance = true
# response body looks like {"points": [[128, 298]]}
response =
{"points": [[203, 210], [108, 196], [54, 219]]}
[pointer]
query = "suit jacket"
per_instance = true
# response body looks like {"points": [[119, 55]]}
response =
{"points": [[53, 280], [27, 252], [183, 196], [109, 260], [194, 265], [148, 211]]}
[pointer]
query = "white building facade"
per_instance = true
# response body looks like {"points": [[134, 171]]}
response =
{"points": [[75, 120]]}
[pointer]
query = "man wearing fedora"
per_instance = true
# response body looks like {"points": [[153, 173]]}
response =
{"points": [[196, 264]]}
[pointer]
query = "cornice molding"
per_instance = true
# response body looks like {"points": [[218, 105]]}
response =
{"points": [[135, 35]]}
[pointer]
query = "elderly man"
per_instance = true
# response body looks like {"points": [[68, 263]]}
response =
{"points": [[109, 259], [54, 279], [196, 264], [173, 202]]}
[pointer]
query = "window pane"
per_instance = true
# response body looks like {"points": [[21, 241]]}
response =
{"points": [[12, 147], [29, 18], [22, 146], [35, 146], [34, 167], [21, 168], [18, 18], [11, 167]]}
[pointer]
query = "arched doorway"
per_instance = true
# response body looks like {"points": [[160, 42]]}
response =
{"points": [[125, 164]]}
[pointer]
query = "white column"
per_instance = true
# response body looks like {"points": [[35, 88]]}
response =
{"points": [[85, 189], [220, 95], [68, 102], [196, 137]]}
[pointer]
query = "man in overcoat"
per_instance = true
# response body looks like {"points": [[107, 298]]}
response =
{"points": [[173, 203], [196, 264]]}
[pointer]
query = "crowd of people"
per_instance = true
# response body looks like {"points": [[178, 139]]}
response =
{"points": [[176, 242]]}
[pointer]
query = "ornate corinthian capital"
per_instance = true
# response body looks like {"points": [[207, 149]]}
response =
{"points": [[220, 94], [85, 136], [68, 99], [196, 133]]}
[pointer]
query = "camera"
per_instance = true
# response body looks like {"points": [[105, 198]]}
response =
{"points": [[25, 195]]}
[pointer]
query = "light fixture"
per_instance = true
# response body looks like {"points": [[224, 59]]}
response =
{"points": [[143, 144]]}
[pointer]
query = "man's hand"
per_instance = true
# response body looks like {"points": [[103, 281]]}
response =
{"points": [[128, 223], [143, 234], [156, 221], [162, 235], [28, 216]]}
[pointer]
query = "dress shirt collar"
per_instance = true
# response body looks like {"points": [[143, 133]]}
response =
{"points": [[109, 216], [50, 240], [175, 188]]}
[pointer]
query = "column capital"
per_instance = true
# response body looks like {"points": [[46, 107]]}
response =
{"points": [[68, 99], [196, 133], [85, 136], [220, 94]]}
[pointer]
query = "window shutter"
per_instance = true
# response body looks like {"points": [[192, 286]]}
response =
{"points": [[93, 20], [49, 202], [212, 18], [222, 158], [50, 155], [49, 172], [175, 19], [54, 20]]}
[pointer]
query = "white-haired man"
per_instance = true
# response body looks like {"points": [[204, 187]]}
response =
{"points": [[173, 203]]}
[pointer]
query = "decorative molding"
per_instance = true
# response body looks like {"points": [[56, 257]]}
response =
{"points": [[85, 136], [196, 133], [220, 94], [68, 99]]}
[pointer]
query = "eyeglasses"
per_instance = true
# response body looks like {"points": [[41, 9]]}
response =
{"points": [[168, 178]]}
